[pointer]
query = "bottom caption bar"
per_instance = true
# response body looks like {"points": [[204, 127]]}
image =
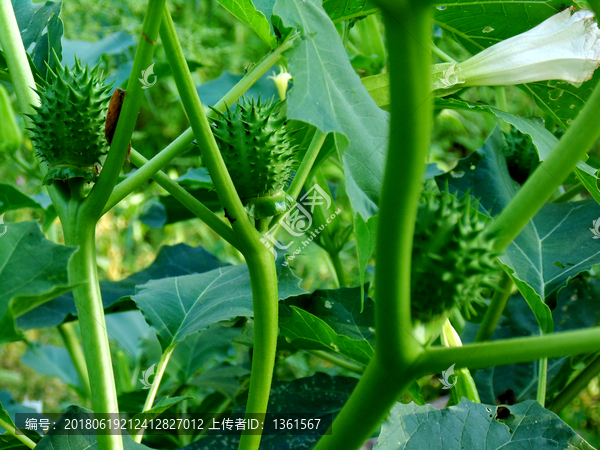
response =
{"points": [[165, 423]]}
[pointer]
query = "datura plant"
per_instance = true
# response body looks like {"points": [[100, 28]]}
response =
{"points": [[387, 229]]}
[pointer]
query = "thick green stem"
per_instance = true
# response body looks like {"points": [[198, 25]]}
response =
{"points": [[495, 309], [549, 175], [263, 276], [80, 232], [95, 202], [368, 406], [579, 383], [71, 341], [21, 437], [160, 371], [261, 264], [191, 203], [390, 371], [509, 351]]}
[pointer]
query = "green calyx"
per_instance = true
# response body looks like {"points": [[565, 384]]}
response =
{"points": [[452, 262], [68, 125], [256, 146]]}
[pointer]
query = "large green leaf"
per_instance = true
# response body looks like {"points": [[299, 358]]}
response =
{"points": [[340, 10], [180, 259], [202, 350], [555, 246], [341, 310], [33, 271], [320, 396], [181, 306], [328, 94], [8, 408], [481, 24], [224, 379], [562, 101], [543, 140], [41, 30], [306, 331], [474, 425], [51, 360], [247, 13], [12, 199]]}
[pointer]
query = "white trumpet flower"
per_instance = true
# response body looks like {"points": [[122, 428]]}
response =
{"points": [[564, 47]]}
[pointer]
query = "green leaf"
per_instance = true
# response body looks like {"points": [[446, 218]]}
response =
{"points": [[333, 99], [41, 25], [319, 395], [562, 101], [117, 43], [51, 360], [224, 379], [33, 271], [306, 331], [180, 259], [473, 425], [555, 246], [340, 309], [201, 350], [63, 439], [481, 24], [8, 408], [12, 199], [248, 14], [340, 10], [378, 87], [543, 140], [180, 306]]}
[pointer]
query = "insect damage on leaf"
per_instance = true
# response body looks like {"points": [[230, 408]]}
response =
{"points": [[452, 260], [256, 146], [67, 125]]}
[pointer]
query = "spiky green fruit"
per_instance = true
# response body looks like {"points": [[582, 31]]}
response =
{"points": [[452, 260], [256, 146], [68, 125]]}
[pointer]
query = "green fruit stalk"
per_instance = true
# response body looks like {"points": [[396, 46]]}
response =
{"points": [[452, 260], [68, 125], [255, 143]]}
